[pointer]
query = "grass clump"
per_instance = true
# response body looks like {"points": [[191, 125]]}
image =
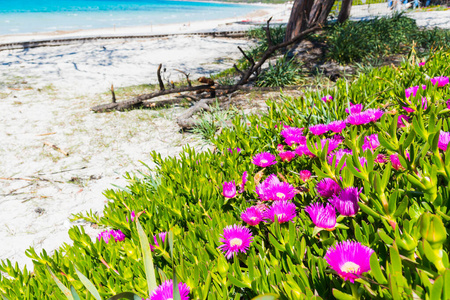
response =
{"points": [[283, 73]]}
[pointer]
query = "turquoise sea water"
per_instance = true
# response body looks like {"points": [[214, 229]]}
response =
{"points": [[28, 16]]}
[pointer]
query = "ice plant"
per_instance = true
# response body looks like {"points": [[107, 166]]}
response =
{"points": [[106, 235], [448, 104], [421, 64], [440, 80], [162, 236], [381, 159], [322, 216], [252, 216], [287, 155], [327, 98], [327, 188], [349, 259], [318, 129], [293, 135], [402, 119], [280, 148], [133, 216], [285, 211], [413, 90], [235, 149], [371, 142], [304, 175], [354, 109], [229, 189], [444, 139], [396, 161], [337, 126], [280, 191], [165, 291], [263, 188], [264, 159], [347, 201], [339, 155], [244, 181], [236, 238]]}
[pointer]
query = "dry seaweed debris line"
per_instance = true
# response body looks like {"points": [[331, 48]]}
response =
{"points": [[185, 120]]}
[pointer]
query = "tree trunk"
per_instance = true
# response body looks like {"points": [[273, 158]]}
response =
{"points": [[306, 14], [344, 12]]}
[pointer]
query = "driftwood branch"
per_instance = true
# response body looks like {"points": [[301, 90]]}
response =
{"points": [[186, 121], [187, 76], [158, 73], [268, 34], [113, 94], [56, 148]]}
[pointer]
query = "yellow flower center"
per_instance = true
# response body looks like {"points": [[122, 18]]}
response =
{"points": [[281, 195], [235, 242], [350, 267], [264, 161], [279, 216], [253, 218]]}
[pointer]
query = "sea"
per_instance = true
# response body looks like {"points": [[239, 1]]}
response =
{"points": [[31, 16]]}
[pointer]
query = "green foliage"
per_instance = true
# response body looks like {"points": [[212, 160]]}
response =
{"points": [[285, 72], [404, 211], [356, 41]]}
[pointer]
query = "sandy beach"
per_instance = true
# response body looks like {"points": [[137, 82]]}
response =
{"points": [[45, 97]]}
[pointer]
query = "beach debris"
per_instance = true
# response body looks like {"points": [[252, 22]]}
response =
{"points": [[158, 73], [56, 148], [44, 134], [113, 94]]}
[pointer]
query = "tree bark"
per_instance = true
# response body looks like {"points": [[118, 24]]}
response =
{"points": [[344, 12]]}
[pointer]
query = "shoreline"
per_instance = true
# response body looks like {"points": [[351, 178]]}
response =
{"points": [[277, 11]]}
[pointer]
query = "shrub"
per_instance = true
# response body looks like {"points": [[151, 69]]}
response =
{"points": [[285, 72]]}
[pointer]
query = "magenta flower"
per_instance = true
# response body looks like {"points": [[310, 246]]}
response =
{"points": [[444, 139], [303, 149], [349, 259], [421, 64], [327, 188], [367, 116], [252, 216], [327, 98], [236, 238], [261, 207], [322, 216], [280, 191], [318, 129], [235, 149], [337, 126], [244, 181], [293, 135], [402, 119], [347, 201], [284, 210], [413, 90], [354, 109], [280, 148], [263, 188], [333, 143], [396, 161], [287, 155], [305, 175], [165, 291], [448, 104], [162, 236], [133, 216], [440, 80], [338, 138], [106, 235], [341, 153], [381, 159], [371, 142], [229, 189], [264, 159]]}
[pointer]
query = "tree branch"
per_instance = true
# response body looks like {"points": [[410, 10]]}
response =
{"points": [[158, 73]]}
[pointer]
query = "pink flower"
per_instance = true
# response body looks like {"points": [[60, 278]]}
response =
{"points": [[280, 148], [162, 236], [333, 143], [349, 259], [413, 90], [264, 159], [396, 161], [236, 238], [327, 98], [229, 189], [263, 188], [293, 135], [354, 109], [367, 116], [165, 291], [440, 80], [421, 64], [303, 149], [252, 216], [347, 201], [318, 129], [339, 155], [448, 104], [444, 139], [337, 126], [244, 181], [381, 159], [327, 188], [106, 235], [133, 216], [284, 210], [304, 175], [287, 155], [235, 149], [402, 119], [280, 191], [322, 216], [371, 142]]}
